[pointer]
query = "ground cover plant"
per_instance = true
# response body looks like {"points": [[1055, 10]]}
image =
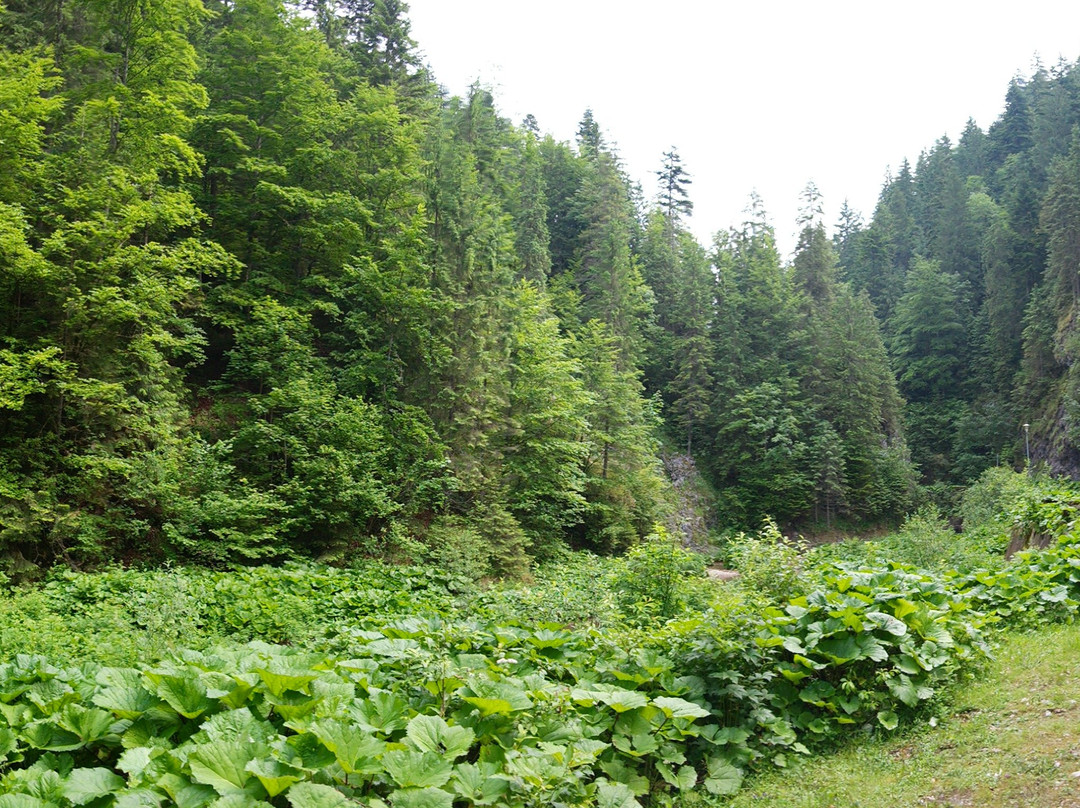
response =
{"points": [[589, 684], [1009, 738]]}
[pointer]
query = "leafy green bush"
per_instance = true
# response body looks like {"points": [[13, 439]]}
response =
{"points": [[768, 562], [987, 501], [655, 578]]}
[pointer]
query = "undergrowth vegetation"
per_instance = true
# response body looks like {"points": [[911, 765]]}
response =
{"points": [[600, 681]]}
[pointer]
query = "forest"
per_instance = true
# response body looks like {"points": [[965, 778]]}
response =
{"points": [[269, 293]]}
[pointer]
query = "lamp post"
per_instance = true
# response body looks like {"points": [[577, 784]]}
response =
{"points": [[1027, 444]]}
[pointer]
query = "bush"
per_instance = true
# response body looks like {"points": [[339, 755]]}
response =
{"points": [[768, 562], [987, 502], [655, 578]]}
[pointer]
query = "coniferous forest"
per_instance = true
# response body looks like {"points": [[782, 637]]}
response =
{"points": [[267, 292]]}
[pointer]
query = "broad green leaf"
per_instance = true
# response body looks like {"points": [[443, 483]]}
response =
{"points": [[222, 765], [49, 696], [305, 751], [903, 607], [417, 769], [239, 801], [637, 745], [394, 649], [383, 711], [680, 708], [313, 795], [477, 784], [138, 798], [684, 779], [238, 725], [888, 719], [889, 623], [850, 704], [488, 706], [356, 751], [723, 778], [618, 698], [620, 771], [545, 638], [584, 752], [134, 761], [23, 801], [908, 664], [84, 785], [49, 735], [733, 735], [615, 795], [277, 682], [187, 794], [794, 645], [497, 697], [125, 701], [421, 798], [89, 724], [184, 692], [817, 692], [911, 693], [431, 733], [8, 743], [274, 775]]}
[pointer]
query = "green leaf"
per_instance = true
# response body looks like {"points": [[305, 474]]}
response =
{"points": [[888, 623], [184, 692], [431, 733], [313, 795], [84, 785], [546, 638], [274, 775], [222, 765], [888, 719], [619, 699], [907, 691], [394, 649], [125, 701], [723, 778], [817, 692], [277, 682], [497, 697], [134, 761], [356, 751], [421, 798], [8, 743], [733, 735], [680, 708], [89, 724], [416, 769], [684, 780], [903, 607], [850, 704], [478, 785], [239, 801], [908, 664], [615, 795], [48, 735], [49, 696], [23, 801]]}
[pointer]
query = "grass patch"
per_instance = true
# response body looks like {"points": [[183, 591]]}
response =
{"points": [[1012, 739]]}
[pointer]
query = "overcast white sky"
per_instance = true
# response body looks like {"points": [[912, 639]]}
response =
{"points": [[765, 95]]}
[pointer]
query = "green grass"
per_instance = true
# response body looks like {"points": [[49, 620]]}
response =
{"points": [[1011, 738]]}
